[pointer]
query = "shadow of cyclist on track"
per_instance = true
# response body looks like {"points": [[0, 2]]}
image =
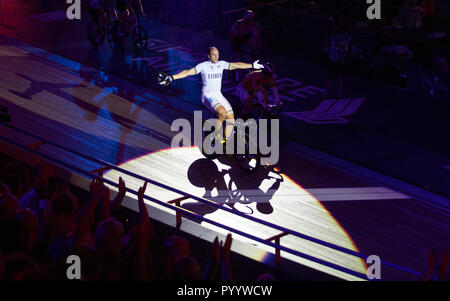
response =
{"points": [[227, 185]]}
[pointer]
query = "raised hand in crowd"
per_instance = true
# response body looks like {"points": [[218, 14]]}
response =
{"points": [[115, 204], [104, 202], [220, 264], [226, 263], [145, 227], [86, 216], [141, 235]]}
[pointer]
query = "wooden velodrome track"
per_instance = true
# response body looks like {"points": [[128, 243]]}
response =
{"points": [[130, 126]]}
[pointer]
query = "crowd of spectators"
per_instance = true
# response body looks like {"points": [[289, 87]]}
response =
{"points": [[42, 222]]}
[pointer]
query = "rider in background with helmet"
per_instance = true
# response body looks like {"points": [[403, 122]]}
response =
{"points": [[253, 89]]}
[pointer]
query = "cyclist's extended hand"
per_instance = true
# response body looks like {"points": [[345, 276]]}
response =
{"points": [[257, 65], [164, 79]]}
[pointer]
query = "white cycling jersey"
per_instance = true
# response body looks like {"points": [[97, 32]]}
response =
{"points": [[212, 75], [212, 83]]}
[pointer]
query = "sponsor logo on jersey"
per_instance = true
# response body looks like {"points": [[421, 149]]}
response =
{"points": [[214, 75]]}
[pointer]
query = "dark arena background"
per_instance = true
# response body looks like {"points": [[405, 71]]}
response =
{"points": [[360, 189]]}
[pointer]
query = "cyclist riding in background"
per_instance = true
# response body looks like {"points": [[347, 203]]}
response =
{"points": [[253, 89], [127, 12]]}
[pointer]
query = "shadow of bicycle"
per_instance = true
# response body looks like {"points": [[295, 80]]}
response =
{"points": [[229, 187]]}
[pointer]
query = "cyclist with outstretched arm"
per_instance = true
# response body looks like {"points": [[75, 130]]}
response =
{"points": [[212, 97]]}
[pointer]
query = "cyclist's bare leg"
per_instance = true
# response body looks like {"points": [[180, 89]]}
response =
{"points": [[230, 124], [222, 114]]}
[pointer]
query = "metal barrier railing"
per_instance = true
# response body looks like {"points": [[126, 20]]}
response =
{"points": [[180, 210]]}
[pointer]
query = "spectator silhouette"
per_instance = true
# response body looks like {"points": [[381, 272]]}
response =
{"points": [[91, 270], [108, 239], [175, 248], [186, 269], [29, 230], [19, 267]]}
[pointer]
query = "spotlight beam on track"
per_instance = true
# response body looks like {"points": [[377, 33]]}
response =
{"points": [[295, 233]]}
